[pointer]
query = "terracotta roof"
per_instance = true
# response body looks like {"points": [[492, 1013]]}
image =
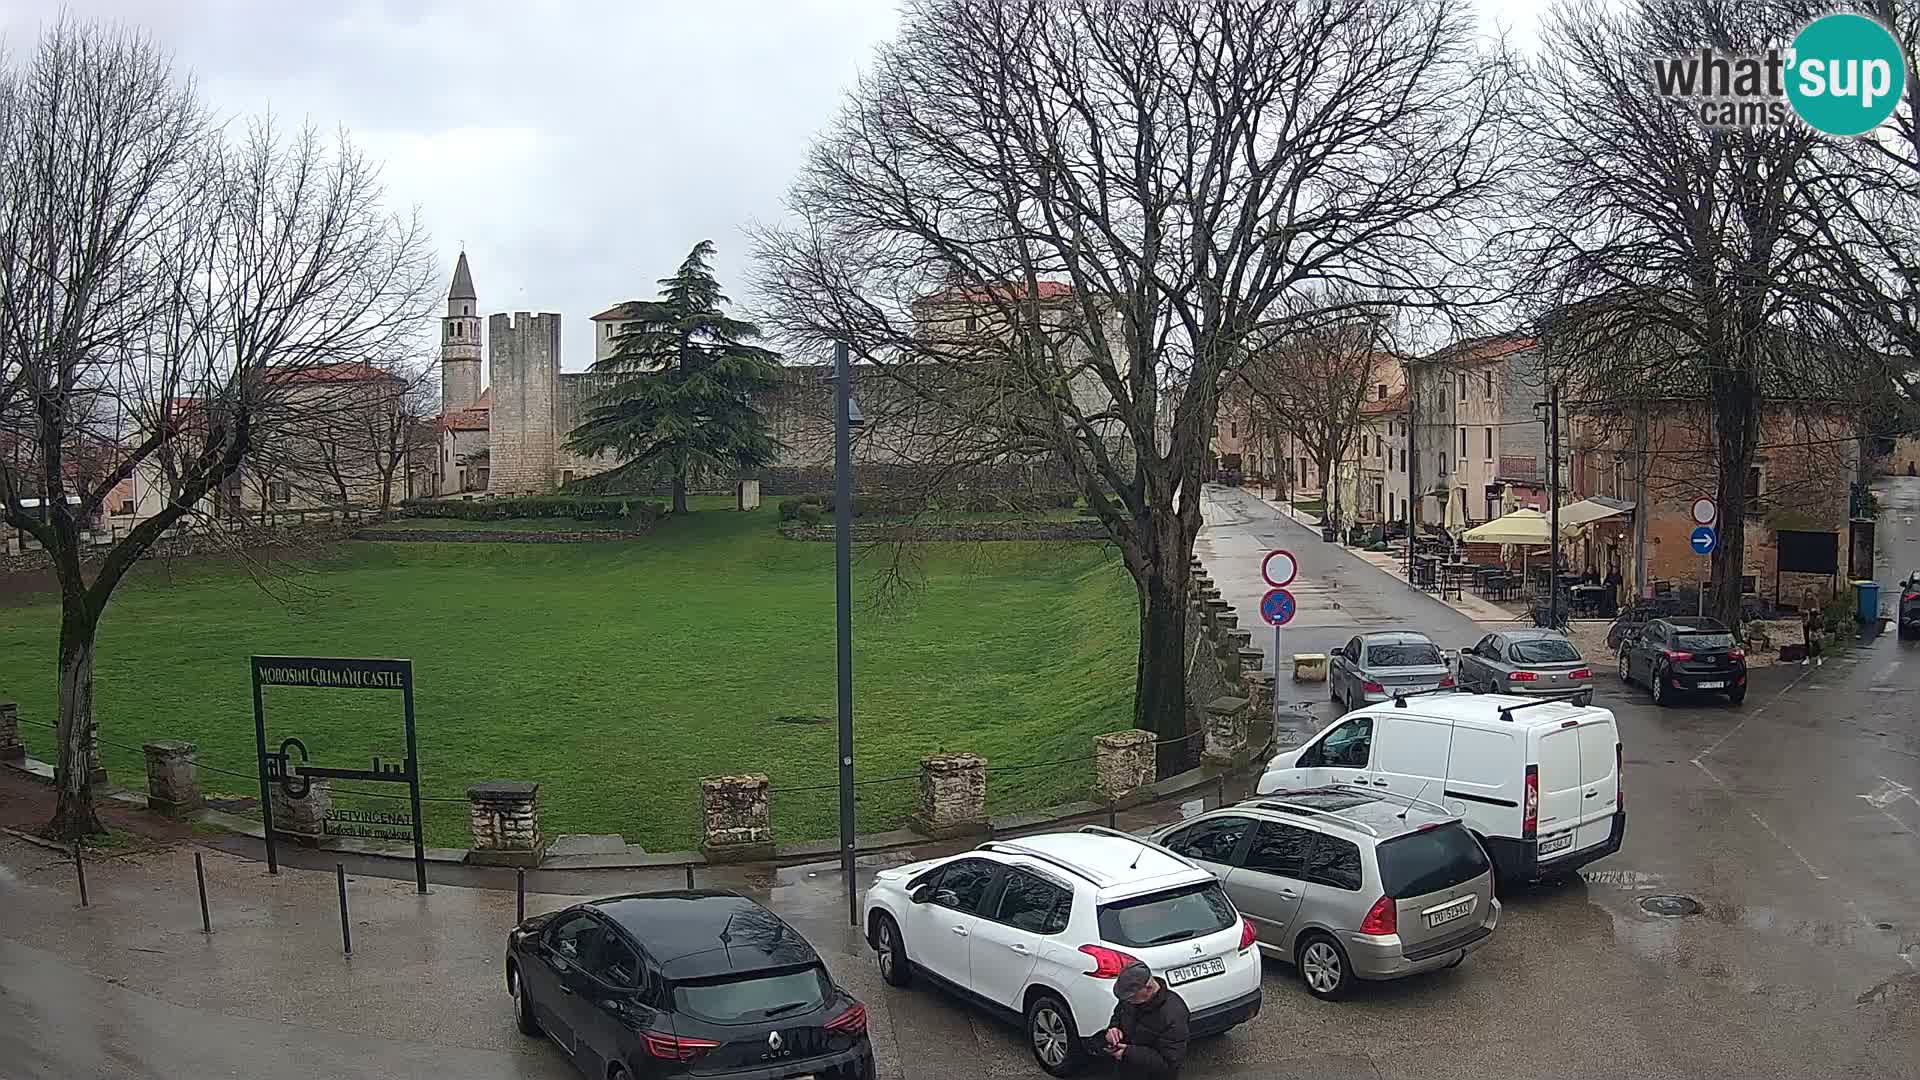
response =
{"points": [[626, 309], [1043, 290], [1480, 350], [350, 371], [466, 420], [1394, 403]]}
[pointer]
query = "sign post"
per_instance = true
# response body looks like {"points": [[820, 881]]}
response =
{"points": [[1278, 607], [1703, 540]]}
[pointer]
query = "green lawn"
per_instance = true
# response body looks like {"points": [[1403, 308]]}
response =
{"points": [[618, 674]]}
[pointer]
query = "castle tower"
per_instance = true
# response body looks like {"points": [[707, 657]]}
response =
{"points": [[460, 343], [523, 442]]}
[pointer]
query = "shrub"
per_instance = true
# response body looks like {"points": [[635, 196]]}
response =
{"points": [[809, 514], [636, 513]]}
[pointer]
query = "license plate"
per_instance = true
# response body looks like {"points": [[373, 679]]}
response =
{"points": [[1451, 912], [1215, 966], [1556, 843], [1711, 684]]}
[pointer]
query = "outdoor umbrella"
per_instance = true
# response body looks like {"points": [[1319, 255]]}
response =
{"points": [[1519, 527]]}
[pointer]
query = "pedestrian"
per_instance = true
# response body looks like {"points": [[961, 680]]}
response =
{"points": [[1147, 1037]]}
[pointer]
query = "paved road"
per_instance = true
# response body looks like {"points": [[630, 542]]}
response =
{"points": [[1792, 820]]}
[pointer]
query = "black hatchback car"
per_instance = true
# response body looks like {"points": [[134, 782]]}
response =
{"points": [[694, 984], [1677, 655]]}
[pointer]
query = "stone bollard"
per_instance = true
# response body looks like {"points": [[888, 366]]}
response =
{"points": [[1309, 667], [173, 779], [1250, 661], [1259, 685], [1228, 620], [1123, 765], [747, 495], [1232, 642], [1226, 738], [11, 748], [304, 819], [505, 818], [736, 824], [1214, 608], [953, 796]]}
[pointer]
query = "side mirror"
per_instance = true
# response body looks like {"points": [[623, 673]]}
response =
{"points": [[922, 894]]}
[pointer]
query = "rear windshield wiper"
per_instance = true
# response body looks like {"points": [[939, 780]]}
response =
{"points": [[787, 1008], [1177, 935]]}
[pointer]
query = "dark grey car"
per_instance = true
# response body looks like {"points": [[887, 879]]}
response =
{"points": [[1374, 667], [1527, 662], [1909, 622]]}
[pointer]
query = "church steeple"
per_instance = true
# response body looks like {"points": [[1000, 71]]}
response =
{"points": [[460, 342]]}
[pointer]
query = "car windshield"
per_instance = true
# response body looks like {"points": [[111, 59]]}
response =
{"points": [[1415, 654], [1430, 860], [1165, 917], [1545, 651], [753, 997], [1698, 642]]}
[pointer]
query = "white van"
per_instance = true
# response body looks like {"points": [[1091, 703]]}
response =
{"points": [[1538, 781]]}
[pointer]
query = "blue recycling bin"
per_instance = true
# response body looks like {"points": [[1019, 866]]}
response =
{"points": [[1868, 595]]}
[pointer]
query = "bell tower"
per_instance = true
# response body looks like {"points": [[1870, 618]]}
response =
{"points": [[460, 343]]}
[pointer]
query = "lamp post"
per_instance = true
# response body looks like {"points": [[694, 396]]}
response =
{"points": [[845, 416]]}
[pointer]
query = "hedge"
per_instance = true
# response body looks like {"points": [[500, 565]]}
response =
{"points": [[637, 513], [974, 502]]}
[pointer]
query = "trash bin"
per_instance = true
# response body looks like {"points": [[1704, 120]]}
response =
{"points": [[1867, 593]]}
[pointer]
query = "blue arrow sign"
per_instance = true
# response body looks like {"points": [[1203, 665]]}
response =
{"points": [[1277, 607], [1703, 540]]}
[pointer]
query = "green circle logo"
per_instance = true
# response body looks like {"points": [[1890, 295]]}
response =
{"points": [[1848, 74]]}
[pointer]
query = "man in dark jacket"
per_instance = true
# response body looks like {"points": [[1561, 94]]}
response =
{"points": [[1148, 1033]]}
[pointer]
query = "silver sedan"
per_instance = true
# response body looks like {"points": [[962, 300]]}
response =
{"points": [[1374, 667], [1527, 662]]}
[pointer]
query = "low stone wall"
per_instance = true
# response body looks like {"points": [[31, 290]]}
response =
{"points": [[1056, 531], [190, 545], [497, 536]]}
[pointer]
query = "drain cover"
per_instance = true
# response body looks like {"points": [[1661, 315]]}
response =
{"points": [[1671, 907]]}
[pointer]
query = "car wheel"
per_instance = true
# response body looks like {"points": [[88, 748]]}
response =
{"points": [[891, 952], [1054, 1038], [1735, 697], [1626, 673], [1657, 683], [1323, 967], [522, 1007]]}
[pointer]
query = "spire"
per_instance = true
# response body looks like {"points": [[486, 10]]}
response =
{"points": [[462, 281]]}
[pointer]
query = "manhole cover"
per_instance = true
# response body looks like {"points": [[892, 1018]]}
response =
{"points": [[1671, 907], [799, 719]]}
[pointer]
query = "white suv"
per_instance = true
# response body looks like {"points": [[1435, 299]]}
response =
{"points": [[1038, 928]]}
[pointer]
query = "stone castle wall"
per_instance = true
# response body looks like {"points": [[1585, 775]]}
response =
{"points": [[523, 444]]}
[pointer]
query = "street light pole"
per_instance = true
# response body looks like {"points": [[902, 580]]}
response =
{"points": [[843, 604]]}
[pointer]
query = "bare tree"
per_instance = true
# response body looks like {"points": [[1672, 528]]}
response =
{"points": [[162, 290], [1083, 213], [1675, 262]]}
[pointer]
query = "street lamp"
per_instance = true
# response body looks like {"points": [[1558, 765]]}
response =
{"points": [[845, 415]]}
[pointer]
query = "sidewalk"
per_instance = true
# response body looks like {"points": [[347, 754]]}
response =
{"points": [[1473, 607]]}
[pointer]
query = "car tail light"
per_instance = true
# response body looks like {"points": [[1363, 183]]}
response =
{"points": [[1619, 778], [1736, 654], [1382, 918], [1107, 963], [673, 1047], [1446, 683], [1372, 687], [1530, 808], [1246, 932], [1581, 673], [1677, 654], [1522, 676], [1910, 596], [851, 1022]]}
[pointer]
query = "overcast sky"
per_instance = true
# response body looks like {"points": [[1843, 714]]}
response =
{"points": [[577, 150]]}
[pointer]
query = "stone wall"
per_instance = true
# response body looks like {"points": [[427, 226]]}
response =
{"points": [[736, 820], [1062, 531], [505, 819], [523, 443], [499, 536], [953, 795]]}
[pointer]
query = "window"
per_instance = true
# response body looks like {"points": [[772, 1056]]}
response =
{"points": [[1430, 860], [1348, 746], [1411, 654], [1443, 463], [1376, 446], [126, 507], [1754, 483], [964, 885], [574, 937], [280, 491], [973, 323], [1213, 840], [1233, 428], [1028, 903], [1165, 917], [610, 331], [1380, 391], [1334, 862], [1463, 442], [732, 999], [1544, 651], [1462, 377], [1488, 376], [1279, 849], [616, 964], [1489, 444]]}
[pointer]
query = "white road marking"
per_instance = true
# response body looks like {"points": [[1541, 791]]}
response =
{"points": [[1889, 792]]}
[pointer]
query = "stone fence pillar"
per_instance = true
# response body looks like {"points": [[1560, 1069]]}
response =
{"points": [[173, 779], [505, 818], [1250, 661], [1214, 608], [1226, 738], [1259, 686], [304, 819], [11, 748], [953, 795], [1231, 642], [736, 824], [1123, 765]]}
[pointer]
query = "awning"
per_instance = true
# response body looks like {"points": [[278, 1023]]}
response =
{"points": [[1519, 527], [1586, 511]]}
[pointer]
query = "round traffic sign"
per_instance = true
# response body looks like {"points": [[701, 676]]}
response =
{"points": [[1277, 607], [1279, 568], [1704, 539], [1705, 511]]}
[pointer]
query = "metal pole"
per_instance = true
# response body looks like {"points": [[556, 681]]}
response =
{"points": [[519, 896], [843, 604], [689, 877], [1553, 485], [80, 871], [266, 789], [1276, 678], [1411, 461], [1641, 586], [413, 787], [346, 932], [200, 877]]}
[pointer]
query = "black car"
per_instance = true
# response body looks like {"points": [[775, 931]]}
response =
{"points": [[1909, 625], [696, 984], [1677, 655]]}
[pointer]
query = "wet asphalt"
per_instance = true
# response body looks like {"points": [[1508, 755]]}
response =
{"points": [[1792, 820]]}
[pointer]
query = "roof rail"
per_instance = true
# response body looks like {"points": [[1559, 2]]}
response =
{"points": [[1301, 808], [1068, 865], [1547, 698], [1400, 696], [1102, 830]]}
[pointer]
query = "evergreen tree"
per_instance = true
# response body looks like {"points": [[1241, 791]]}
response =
{"points": [[678, 391]]}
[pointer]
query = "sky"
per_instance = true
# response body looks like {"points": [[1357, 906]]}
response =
{"points": [[575, 150]]}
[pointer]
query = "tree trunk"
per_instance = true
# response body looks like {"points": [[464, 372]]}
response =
{"points": [[1735, 424], [74, 816], [1160, 697], [680, 489]]}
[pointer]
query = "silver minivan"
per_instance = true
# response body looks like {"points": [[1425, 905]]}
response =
{"points": [[1346, 884]]}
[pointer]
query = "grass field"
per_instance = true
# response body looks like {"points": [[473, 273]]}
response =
{"points": [[618, 674]]}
